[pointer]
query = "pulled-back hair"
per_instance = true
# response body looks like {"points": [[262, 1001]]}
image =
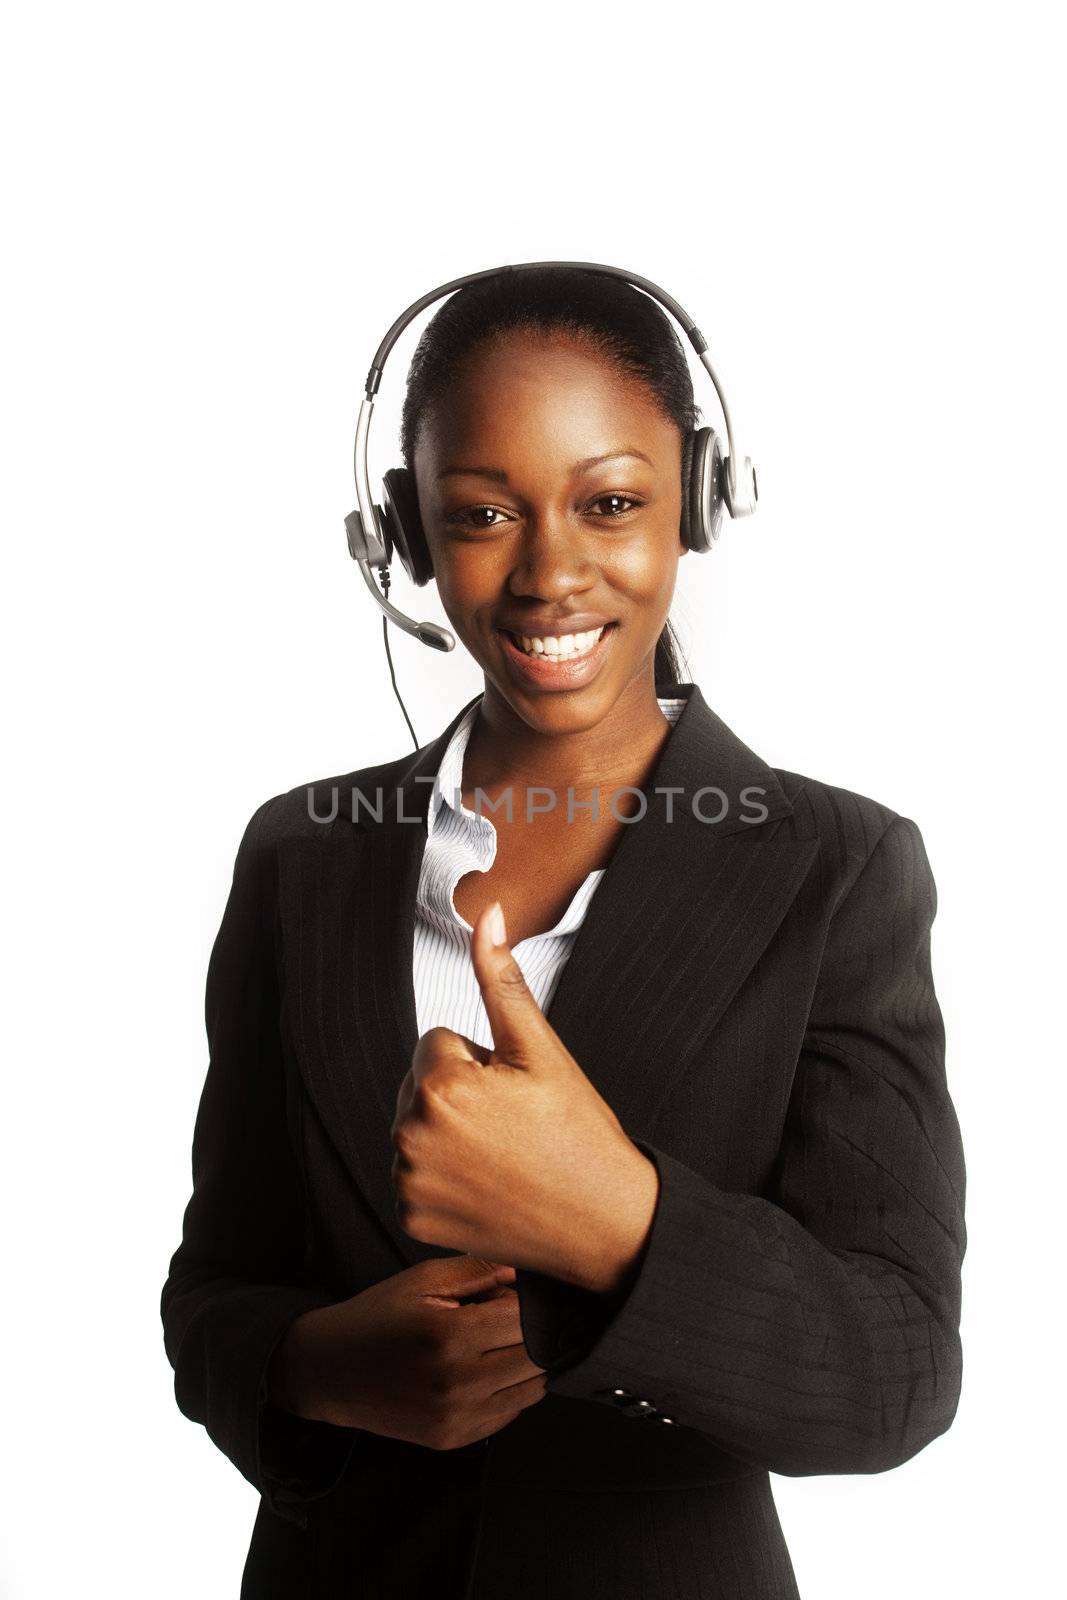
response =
{"points": [[624, 325]]}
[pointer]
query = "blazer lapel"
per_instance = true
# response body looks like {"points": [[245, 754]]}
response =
{"points": [[348, 923], [683, 912]]}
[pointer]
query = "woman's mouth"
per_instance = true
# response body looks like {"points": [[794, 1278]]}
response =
{"points": [[565, 661]]}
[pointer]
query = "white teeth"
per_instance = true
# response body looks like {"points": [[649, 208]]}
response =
{"points": [[566, 645]]}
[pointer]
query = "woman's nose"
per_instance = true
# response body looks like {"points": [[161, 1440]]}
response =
{"points": [[553, 558]]}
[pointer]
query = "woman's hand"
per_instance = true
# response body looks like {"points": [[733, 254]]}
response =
{"points": [[433, 1355], [511, 1153]]}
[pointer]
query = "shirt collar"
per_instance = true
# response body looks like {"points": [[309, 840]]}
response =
{"points": [[448, 784]]}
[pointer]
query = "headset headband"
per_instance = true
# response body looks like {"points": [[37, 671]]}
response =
{"points": [[692, 332]]}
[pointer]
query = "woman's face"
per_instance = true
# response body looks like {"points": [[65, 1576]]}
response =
{"points": [[549, 484]]}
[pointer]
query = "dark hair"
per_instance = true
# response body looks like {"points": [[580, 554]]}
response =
{"points": [[623, 324]]}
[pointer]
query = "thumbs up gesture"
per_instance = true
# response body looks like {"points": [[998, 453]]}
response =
{"points": [[510, 1153]]}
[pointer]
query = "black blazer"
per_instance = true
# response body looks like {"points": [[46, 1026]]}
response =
{"points": [[754, 1000]]}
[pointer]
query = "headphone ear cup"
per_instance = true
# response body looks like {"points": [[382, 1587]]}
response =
{"points": [[686, 529], [404, 524], [705, 502]]}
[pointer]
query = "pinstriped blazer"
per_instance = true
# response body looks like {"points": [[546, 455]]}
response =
{"points": [[751, 992]]}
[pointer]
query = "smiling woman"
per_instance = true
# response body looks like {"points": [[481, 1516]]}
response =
{"points": [[590, 330], [562, 1173], [571, 542]]}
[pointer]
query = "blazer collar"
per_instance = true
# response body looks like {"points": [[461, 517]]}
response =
{"points": [[685, 908]]}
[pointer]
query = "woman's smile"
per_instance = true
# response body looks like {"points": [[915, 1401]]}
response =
{"points": [[557, 661]]}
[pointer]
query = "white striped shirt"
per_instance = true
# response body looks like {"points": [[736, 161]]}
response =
{"points": [[460, 841]]}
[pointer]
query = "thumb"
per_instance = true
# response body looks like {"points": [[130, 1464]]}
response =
{"points": [[462, 1275], [515, 1018]]}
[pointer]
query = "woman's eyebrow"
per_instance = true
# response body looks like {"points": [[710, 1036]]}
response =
{"points": [[499, 476]]}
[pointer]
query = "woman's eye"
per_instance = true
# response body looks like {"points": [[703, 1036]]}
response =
{"points": [[616, 511], [473, 515]]}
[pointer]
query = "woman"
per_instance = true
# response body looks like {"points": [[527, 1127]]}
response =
{"points": [[575, 1148]]}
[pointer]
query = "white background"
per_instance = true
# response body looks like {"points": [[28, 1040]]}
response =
{"points": [[213, 213]]}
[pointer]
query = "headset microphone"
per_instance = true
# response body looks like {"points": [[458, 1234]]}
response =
{"points": [[428, 632], [717, 480]]}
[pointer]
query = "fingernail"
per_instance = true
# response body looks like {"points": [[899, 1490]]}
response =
{"points": [[497, 928]]}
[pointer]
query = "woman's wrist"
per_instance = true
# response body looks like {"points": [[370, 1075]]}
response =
{"points": [[610, 1249], [292, 1371]]}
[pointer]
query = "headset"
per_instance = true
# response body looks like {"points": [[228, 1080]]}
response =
{"points": [[716, 480]]}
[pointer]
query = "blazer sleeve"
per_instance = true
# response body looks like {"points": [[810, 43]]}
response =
{"points": [[813, 1329], [236, 1280]]}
